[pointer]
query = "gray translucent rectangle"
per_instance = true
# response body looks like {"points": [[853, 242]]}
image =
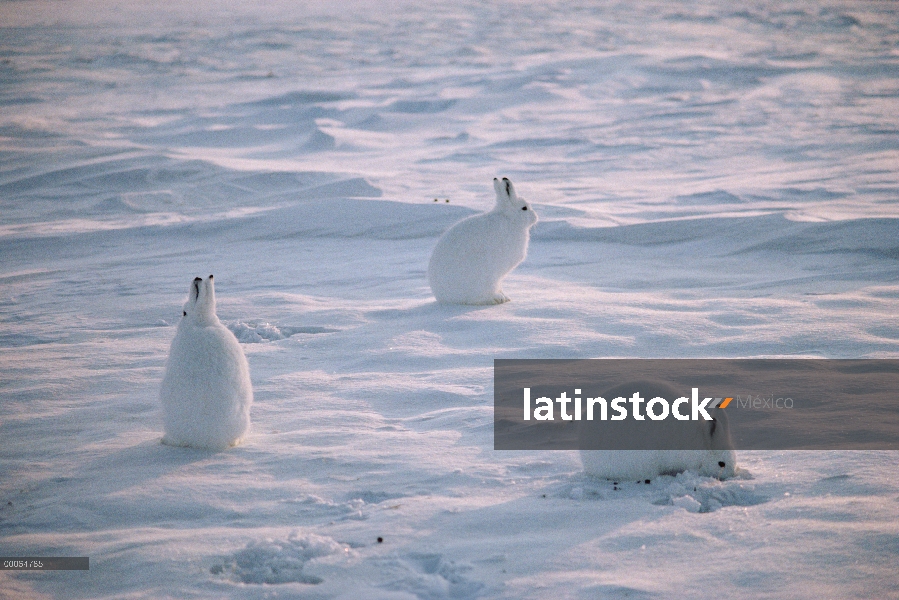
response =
{"points": [[776, 404], [45, 563]]}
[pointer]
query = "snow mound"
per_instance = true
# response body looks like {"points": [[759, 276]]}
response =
{"points": [[705, 494], [276, 562], [255, 333], [688, 503], [353, 509], [688, 490], [431, 577]]}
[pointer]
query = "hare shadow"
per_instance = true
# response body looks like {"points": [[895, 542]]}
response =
{"points": [[147, 461], [431, 309], [148, 484]]}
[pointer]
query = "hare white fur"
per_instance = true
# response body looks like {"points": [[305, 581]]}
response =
{"points": [[716, 458], [206, 392], [472, 257]]}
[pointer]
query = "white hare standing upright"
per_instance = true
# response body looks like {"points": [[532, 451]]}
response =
{"points": [[206, 392], [472, 257]]}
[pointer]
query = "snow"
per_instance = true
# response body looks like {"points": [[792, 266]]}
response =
{"points": [[712, 180]]}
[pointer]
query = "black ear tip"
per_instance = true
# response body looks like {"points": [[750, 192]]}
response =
{"points": [[198, 279], [505, 179], [495, 179], [210, 276]]}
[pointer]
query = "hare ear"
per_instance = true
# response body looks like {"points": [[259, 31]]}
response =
{"points": [[509, 189], [206, 301], [505, 192], [195, 290]]}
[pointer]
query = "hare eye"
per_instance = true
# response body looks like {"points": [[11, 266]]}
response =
{"points": [[722, 464], [524, 208], [184, 313]]}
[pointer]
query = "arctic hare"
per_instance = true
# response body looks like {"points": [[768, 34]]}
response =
{"points": [[716, 458], [206, 392], [472, 257]]}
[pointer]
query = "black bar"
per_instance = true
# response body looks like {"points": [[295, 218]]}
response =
{"points": [[44, 563], [776, 404]]}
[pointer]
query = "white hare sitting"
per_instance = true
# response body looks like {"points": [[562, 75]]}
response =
{"points": [[206, 392], [472, 257]]}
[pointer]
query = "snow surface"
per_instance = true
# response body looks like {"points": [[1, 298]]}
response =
{"points": [[714, 179]]}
